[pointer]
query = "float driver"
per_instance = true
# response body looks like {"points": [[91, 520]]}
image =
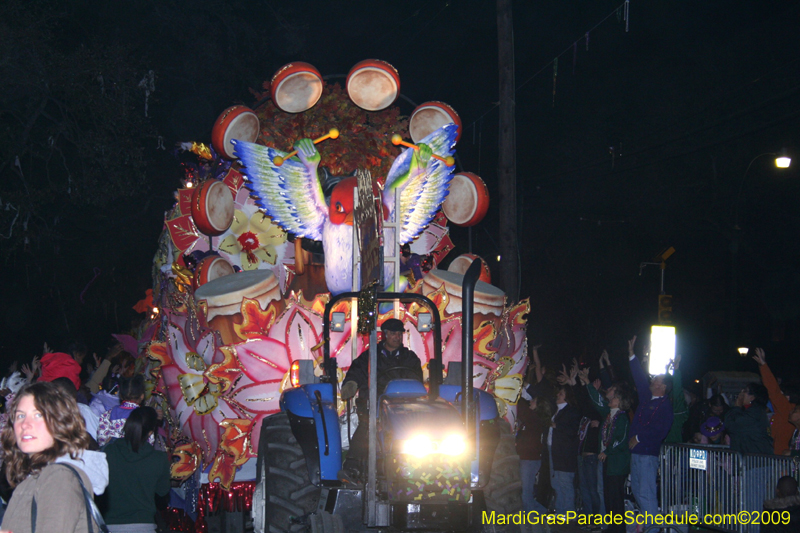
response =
{"points": [[395, 361]]}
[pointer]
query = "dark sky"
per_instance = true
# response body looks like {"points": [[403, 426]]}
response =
{"points": [[643, 146]]}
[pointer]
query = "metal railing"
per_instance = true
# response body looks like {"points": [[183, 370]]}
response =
{"points": [[717, 484]]}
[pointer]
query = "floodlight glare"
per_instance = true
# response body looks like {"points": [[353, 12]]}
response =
{"points": [[783, 162], [743, 350], [662, 348]]}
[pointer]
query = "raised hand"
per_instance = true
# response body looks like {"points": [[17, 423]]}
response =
{"points": [[607, 358], [760, 357], [584, 376], [27, 371], [563, 376], [677, 363], [36, 365], [631, 344]]}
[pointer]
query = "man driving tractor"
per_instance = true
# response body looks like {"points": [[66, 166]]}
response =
{"points": [[395, 361]]}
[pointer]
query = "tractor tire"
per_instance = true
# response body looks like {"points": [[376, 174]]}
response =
{"points": [[322, 522], [503, 493], [283, 492]]}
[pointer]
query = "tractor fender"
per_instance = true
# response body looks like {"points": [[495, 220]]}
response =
{"points": [[315, 425]]}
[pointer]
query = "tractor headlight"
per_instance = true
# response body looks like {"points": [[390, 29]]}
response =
{"points": [[453, 445], [418, 446], [422, 445]]}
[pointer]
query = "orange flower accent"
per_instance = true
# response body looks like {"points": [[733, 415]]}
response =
{"points": [[519, 313], [188, 459], [484, 335], [236, 439], [226, 372], [157, 351], [441, 299], [256, 322], [233, 451], [223, 469]]}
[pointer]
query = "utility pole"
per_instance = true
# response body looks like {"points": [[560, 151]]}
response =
{"points": [[507, 160]]}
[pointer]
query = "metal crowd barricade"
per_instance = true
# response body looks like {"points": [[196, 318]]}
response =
{"points": [[716, 482]]}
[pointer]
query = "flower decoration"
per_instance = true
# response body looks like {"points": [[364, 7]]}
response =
{"points": [[254, 239]]}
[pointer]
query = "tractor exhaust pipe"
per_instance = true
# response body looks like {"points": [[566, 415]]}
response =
{"points": [[467, 300]]}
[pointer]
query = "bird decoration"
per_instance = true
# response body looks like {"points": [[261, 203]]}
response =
{"points": [[290, 192]]}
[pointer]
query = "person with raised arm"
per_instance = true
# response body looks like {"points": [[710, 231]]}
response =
{"points": [[651, 424], [782, 429]]}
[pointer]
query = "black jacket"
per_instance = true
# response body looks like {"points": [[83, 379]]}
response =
{"points": [[564, 448], [359, 370]]}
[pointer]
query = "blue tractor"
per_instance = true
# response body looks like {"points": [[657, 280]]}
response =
{"points": [[438, 457]]}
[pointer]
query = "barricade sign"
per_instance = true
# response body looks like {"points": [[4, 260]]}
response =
{"points": [[698, 459]]}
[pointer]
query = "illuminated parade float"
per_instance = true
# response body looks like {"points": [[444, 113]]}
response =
{"points": [[270, 226]]}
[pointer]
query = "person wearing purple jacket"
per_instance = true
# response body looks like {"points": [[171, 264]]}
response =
{"points": [[651, 424]]}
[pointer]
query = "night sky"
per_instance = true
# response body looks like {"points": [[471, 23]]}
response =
{"points": [[642, 145]]}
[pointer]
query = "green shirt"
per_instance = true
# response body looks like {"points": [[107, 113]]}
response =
{"points": [[134, 481]]}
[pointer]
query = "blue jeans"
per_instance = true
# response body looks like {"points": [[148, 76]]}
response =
{"points": [[600, 488], [528, 471], [587, 472], [644, 470], [564, 485]]}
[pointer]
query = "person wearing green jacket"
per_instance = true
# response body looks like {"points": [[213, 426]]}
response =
{"points": [[615, 453], [680, 411]]}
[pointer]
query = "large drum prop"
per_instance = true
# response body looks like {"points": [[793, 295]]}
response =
{"points": [[489, 300], [431, 116], [468, 200], [296, 87], [460, 264], [221, 299], [373, 84], [212, 207], [211, 268], [238, 122]]}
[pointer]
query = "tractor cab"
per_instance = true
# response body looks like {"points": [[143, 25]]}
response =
{"points": [[430, 451]]}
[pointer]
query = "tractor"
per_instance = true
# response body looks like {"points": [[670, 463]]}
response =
{"points": [[438, 456]]}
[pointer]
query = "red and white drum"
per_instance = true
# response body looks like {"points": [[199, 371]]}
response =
{"points": [[373, 84], [212, 207], [468, 200], [238, 122], [429, 117], [460, 264], [296, 87], [489, 300], [220, 300], [211, 268]]}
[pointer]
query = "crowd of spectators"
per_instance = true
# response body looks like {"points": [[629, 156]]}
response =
{"points": [[63, 409], [590, 437]]}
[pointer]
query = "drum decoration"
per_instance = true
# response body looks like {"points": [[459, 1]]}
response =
{"points": [[296, 87], [431, 116], [212, 207], [373, 84], [221, 300], [460, 264], [211, 268], [236, 122], [468, 201]]}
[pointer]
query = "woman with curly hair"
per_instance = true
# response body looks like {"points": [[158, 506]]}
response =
{"points": [[47, 432]]}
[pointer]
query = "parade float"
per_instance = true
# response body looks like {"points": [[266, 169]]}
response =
{"points": [[262, 233]]}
